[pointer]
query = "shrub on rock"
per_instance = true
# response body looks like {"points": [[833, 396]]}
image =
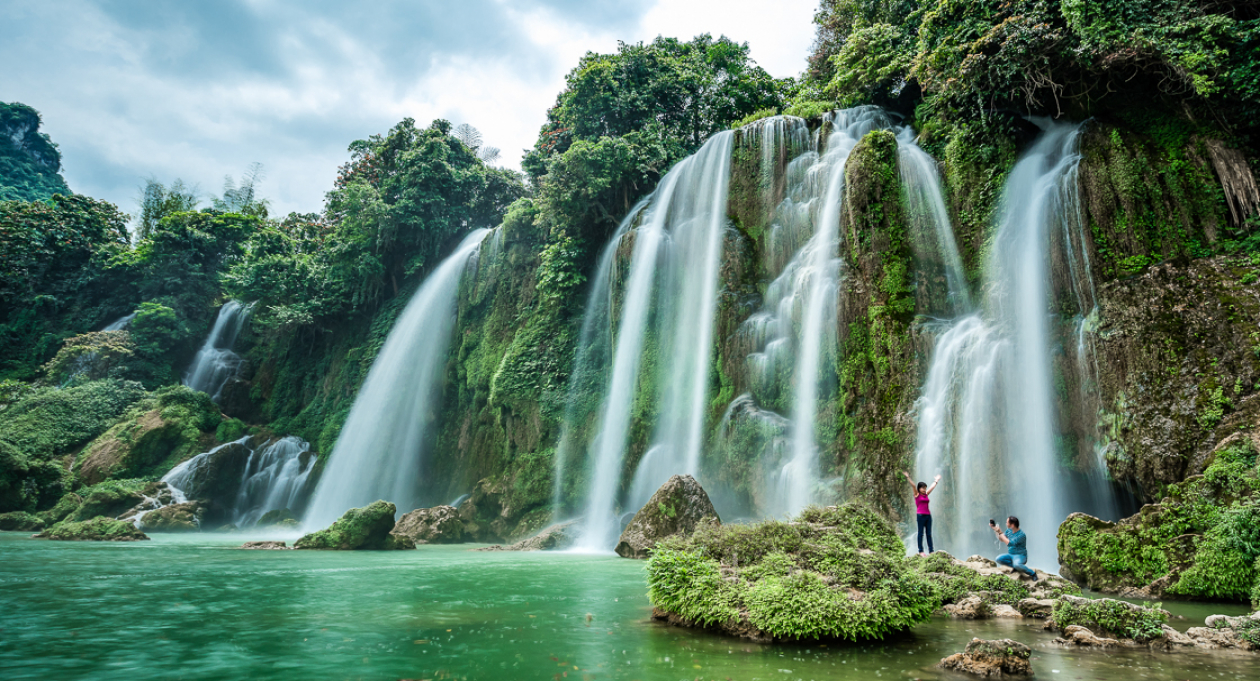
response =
{"points": [[366, 528], [676, 508], [838, 572], [1121, 618], [20, 521], [99, 528]]}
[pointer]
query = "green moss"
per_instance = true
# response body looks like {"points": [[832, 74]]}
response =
{"points": [[1203, 532], [1117, 617], [99, 528], [831, 573], [366, 528], [20, 521]]}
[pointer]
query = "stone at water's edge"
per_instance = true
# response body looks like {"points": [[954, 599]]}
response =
{"points": [[174, 518], [676, 508], [99, 528], [1002, 657], [20, 521], [366, 528], [437, 525], [265, 545], [552, 538]]}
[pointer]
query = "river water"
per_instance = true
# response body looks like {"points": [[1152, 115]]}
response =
{"points": [[195, 607]]}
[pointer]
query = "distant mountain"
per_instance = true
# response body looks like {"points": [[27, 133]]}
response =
{"points": [[30, 164]]}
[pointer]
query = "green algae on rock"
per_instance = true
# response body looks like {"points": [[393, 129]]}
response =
{"points": [[991, 658], [21, 521], [366, 528], [99, 528], [833, 573], [676, 508]]}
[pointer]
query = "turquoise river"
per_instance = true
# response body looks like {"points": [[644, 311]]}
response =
{"points": [[197, 607]]}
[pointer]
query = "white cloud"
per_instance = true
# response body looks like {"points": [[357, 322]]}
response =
{"points": [[137, 89]]}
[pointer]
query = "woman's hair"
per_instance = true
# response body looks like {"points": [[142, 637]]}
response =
{"points": [[921, 486], [1013, 520]]}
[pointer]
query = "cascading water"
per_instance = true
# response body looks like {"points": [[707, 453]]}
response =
{"points": [[667, 305], [797, 324], [987, 416], [274, 477], [379, 451], [215, 362], [120, 323]]}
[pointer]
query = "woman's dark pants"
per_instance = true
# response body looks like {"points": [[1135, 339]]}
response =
{"points": [[925, 525]]}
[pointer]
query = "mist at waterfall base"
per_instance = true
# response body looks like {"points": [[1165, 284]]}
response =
{"points": [[216, 363], [380, 450], [988, 419]]}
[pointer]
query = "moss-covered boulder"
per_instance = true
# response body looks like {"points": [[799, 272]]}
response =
{"points": [[991, 658], [1202, 540], [279, 518], [676, 508], [20, 521], [437, 525], [1119, 618], [364, 528], [172, 426], [834, 573], [174, 518], [99, 528], [111, 498], [980, 586]]}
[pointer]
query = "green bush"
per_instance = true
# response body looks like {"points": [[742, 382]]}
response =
{"points": [[838, 573], [1123, 619], [51, 422]]}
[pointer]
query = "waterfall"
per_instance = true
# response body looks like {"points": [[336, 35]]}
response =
{"points": [[797, 325], [274, 477], [930, 227], [120, 323], [215, 362], [987, 415], [379, 451], [666, 312]]}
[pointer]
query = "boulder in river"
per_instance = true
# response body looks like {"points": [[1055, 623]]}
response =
{"points": [[555, 537], [20, 521], [265, 545], [676, 509], [99, 528], [1002, 657], [280, 517], [437, 525], [366, 528], [174, 518]]}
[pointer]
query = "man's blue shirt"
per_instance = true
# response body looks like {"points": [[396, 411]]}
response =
{"points": [[1018, 542]]}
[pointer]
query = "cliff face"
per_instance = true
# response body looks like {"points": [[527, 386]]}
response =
{"points": [[30, 163]]}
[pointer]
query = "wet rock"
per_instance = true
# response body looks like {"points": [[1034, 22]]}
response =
{"points": [[216, 479], [437, 525], [367, 528], [266, 545], [552, 538], [280, 518], [99, 528], [1038, 608], [1225, 621], [1004, 611], [174, 518], [19, 521], [676, 508], [970, 608], [1002, 657], [1080, 636], [111, 499]]}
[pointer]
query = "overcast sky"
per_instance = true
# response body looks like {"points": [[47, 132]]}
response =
{"points": [[137, 88]]}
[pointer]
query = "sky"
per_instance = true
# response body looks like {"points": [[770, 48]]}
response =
{"points": [[133, 89]]}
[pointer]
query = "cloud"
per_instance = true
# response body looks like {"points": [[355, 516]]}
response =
{"points": [[198, 90]]}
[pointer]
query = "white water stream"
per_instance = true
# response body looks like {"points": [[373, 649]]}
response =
{"points": [[215, 362], [379, 452]]}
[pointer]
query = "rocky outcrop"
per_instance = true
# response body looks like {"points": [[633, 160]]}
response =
{"points": [[19, 521], [552, 538], [1080, 636], [367, 528], [95, 529], [1003, 657], [969, 608], [675, 509], [174, 518], [1036, 608], [278, 518], [265, 545], [437, 525]]}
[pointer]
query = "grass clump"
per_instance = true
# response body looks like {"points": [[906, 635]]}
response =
{"points": [[1125, 620], [833, 573]]}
